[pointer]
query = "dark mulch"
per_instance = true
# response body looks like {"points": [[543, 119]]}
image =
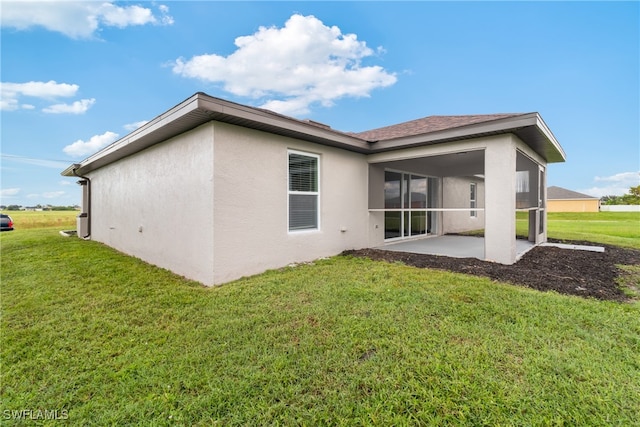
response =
{"points": [[573, 272]]}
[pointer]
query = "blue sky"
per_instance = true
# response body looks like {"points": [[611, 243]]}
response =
{"points": [[78, 75]]}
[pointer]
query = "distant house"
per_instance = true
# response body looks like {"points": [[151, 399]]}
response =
{"points": [[215, 190], [562, 200]]}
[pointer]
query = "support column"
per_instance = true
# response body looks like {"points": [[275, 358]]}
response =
{"points": [[500, 200]]}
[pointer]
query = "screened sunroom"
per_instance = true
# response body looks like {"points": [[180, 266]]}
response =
{"points": [[492, 188]]}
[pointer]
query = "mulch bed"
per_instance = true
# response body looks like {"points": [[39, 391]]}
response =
{"points": [[566, 271]]}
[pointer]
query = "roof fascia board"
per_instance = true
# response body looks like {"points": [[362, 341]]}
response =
{"points": [[118, 149], [470, 131], [216, 109], [276, 121], [583, 199], [499, 126], [550, 137], [181, 119], [162, 120]]}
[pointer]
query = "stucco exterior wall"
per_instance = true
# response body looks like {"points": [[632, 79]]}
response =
{"points": [[157, 204], [456, 192], [583, 205], [500, 200], [212, 204], [250, 203]]}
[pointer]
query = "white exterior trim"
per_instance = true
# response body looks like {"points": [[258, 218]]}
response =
{"points": [[315, 193]]}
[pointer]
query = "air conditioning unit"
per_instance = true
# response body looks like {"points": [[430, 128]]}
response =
{"points": [[82, 225]]}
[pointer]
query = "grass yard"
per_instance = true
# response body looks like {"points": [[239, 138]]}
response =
{"points": [[613, 228], [105, 339], [25, 220]]}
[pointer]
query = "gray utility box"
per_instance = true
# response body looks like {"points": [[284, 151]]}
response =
{"points": [[82, 224]]}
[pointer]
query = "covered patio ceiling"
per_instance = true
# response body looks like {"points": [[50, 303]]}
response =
{"points": [[454, 164]]}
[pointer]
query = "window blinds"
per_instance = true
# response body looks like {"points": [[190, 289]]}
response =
{"points": [[303, 173], [303, 192]]}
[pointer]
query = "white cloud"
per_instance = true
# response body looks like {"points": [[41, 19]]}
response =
{"points": [[53, 194], [50, 89], [8, 192], [122, 17], [614, 185], [77, 107], [82, 148], [79, 19], [303, 63], [133, 126], [46, 195], [54, 164], [630, 178], [8, 104], [11, 93], [165, 18]]}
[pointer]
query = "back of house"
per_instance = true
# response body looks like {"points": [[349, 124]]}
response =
{"points": [[215, 190]]}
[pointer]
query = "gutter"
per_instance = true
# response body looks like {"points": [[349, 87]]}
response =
{"points": [[88, 212], [201, 108]]}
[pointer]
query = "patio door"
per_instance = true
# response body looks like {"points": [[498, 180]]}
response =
{"points": [[405, 203]]}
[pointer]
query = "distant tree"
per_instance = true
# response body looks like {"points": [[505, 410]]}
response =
{"points": [[609, 200], [633, 198], [61, 208], [13, 208]]}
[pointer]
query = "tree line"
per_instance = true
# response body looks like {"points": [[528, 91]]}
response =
{"points": [[39, 207], [633, 198]]}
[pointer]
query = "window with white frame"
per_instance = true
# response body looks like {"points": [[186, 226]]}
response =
{"points": [[473, 199], [303, 191]]}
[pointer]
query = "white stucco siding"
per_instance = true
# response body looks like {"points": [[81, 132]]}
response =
{"points": [[500, 200], [250, 203], [157, 204], [456, 194]]}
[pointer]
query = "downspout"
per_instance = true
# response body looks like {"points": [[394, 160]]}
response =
{"points": [[75, 167]]}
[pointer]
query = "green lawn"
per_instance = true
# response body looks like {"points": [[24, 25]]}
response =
{"points": [[614, 228], [30, 219], [111, 340]]}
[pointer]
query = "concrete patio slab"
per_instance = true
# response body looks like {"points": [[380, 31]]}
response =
{"points": [[451, 246]]}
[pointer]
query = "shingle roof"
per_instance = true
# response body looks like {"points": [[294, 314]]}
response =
{"points": [[559, 193], [427, 125], [201, 108]]}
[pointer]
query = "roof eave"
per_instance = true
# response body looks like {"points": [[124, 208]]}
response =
{"points": [[554, 151], [572, 199], [230, 112], [139, 139], [201, 108], [550, 149]]}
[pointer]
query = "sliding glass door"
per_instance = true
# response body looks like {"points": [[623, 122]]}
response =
{"points": [[405, 202], [393, 200]]}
